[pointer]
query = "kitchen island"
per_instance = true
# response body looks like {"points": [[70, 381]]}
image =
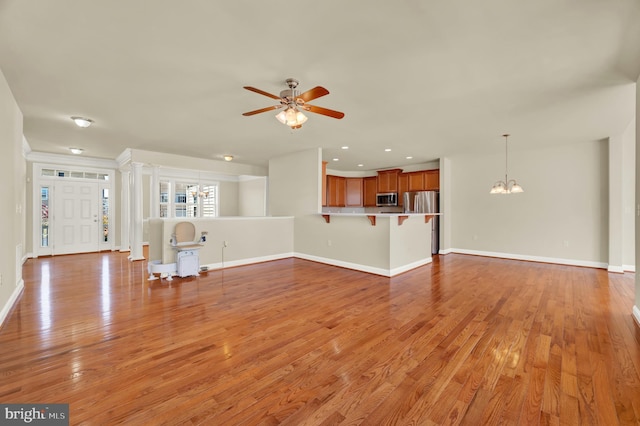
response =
{"points": [[381, 243]]}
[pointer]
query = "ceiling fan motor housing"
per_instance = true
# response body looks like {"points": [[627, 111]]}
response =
{"points": [[288, 94]]}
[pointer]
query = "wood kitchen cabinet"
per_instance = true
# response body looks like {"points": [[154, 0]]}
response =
{"points": [[324, 183], [336, 190], [416, 181], [370, 188], [403, 186], [388, 180], [432, 180], [353, 188]]}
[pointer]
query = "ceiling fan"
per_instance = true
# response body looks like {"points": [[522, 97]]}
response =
{"points": [[294, 102]]}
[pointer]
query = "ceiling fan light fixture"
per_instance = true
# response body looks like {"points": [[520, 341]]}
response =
{"points": [[291, 117], [293, 101], [82, 122], [228, 157]]}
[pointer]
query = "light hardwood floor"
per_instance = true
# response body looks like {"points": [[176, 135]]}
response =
{"points": [[465, 340]]}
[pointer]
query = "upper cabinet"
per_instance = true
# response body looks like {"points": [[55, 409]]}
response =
{"points": [[336, 189], [324, 183], [361, 192], [370, 189], [416, 181], [403, 186], [388, 180], [432, 180], [354, 192]]}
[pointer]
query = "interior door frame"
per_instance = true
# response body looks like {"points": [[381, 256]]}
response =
{"points": [[39, 180]]}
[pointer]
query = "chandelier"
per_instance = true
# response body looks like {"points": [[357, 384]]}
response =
{"points": [[506, 186]]}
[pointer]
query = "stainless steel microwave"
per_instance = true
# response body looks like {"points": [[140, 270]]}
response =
{"points": [[387, 199]]}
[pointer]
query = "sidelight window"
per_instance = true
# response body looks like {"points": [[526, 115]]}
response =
{"points": [[44, 216]]}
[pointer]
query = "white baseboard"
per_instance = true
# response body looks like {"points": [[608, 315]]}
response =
{"points": [[248, 261], [410, 266], [555, 260], [629, 268], [446, 251], [365, 268], [12, 300], [636, 314], [616, 269]]}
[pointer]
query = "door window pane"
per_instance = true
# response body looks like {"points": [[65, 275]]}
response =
{"points": [[105, 215], [44, 216]]}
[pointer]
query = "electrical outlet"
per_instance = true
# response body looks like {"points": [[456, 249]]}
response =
{"points": [[329, 243], [566, 243], [0, 279]]}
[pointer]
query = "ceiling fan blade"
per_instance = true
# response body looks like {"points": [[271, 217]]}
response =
{"points": [[262, 92], [258, 111], [312, 94], [324, 111]]}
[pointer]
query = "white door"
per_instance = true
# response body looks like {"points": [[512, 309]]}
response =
{"points": [[76, 225]]}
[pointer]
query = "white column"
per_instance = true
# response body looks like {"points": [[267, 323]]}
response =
{"points": [[636, 308], [125, 213], [136, 212], [154, 199], [615, 204]]}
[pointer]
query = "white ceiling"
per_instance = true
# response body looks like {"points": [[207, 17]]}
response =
{"points": [[424, 78]]}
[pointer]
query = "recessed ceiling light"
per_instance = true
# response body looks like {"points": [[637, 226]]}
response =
{"points": [[228, 157], [345, 147], [76, 150], [336, 159], [387, 149], [82, 122], [409, 157], [360, 165]]}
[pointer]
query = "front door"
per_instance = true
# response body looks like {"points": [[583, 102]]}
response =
{"points": [[76, 224]]}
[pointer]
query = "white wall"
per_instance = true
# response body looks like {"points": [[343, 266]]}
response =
{"points": [[13, 178], [248, 240], [562, 215], [252, 196], [228, 198]]}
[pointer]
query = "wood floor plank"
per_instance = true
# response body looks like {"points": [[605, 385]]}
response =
{"points": [[464, 340]]}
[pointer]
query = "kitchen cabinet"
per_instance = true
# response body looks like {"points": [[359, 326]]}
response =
{"points": [[388, 180], [353, 188], [432, 180], [416, 181], [324, 183], [370, 188], [403, 186], [335, 191]]}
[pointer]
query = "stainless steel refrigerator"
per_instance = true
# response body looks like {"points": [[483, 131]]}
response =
{"points": [[425, 202]]}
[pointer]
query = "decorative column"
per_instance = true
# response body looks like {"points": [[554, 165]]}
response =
{"points": [[616, 214], [136, 212], [125, 213]]}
